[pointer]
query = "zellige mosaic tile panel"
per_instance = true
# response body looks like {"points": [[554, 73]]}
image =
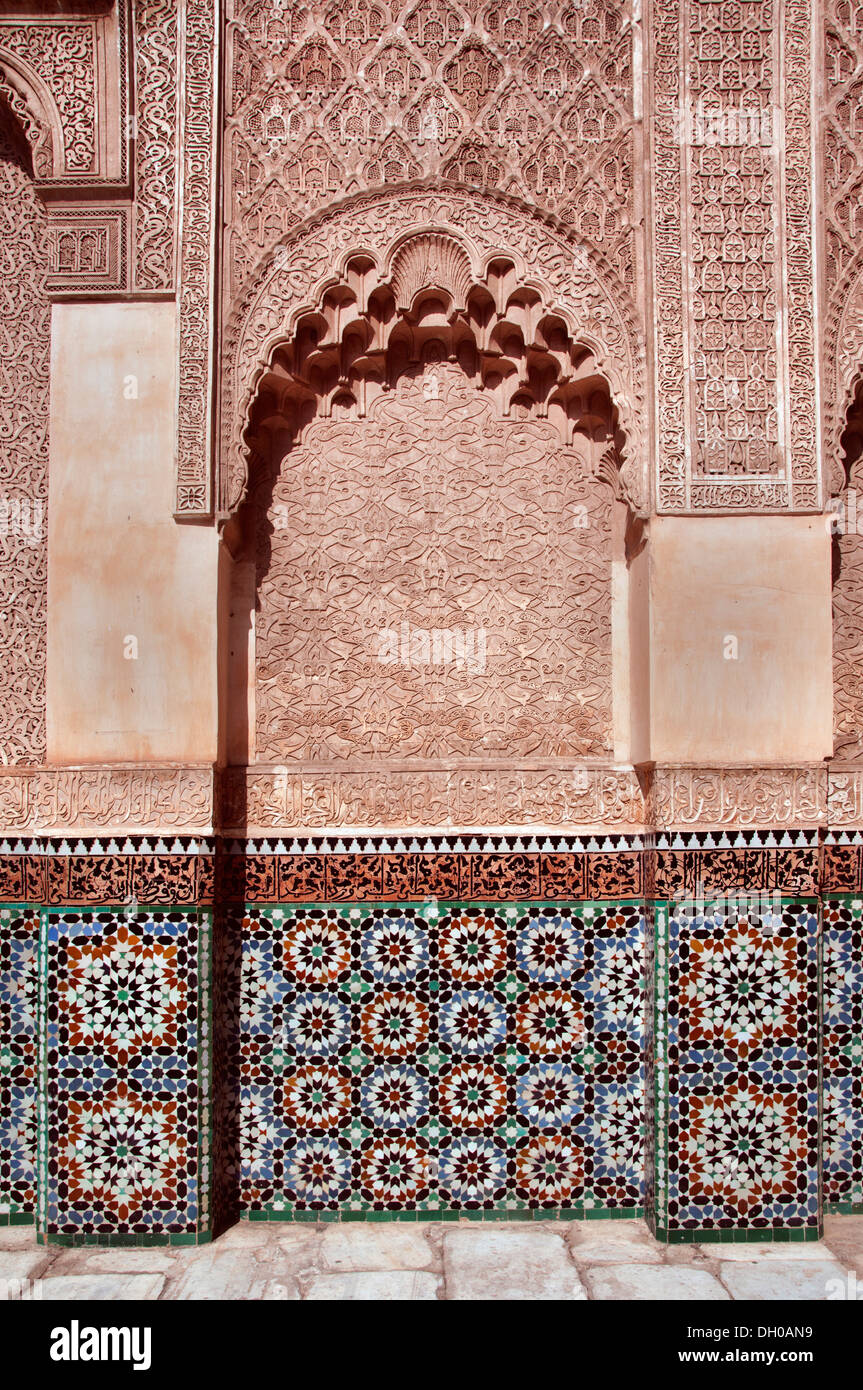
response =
{"points": [[737, 1085], [124, 1144], [843, 1053], [424, 1058], [19, 992]]}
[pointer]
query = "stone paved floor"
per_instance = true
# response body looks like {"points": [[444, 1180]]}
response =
{"points": [[467, 1260]]}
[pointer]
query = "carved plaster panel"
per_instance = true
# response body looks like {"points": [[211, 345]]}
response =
{"points": [[156, 126], [433, 582], [732, 237], [25, 346], [845, 795], [732, 797], [569, 283], [60, 60], [599, 798], [87, 249], [199, 68], [324, 99], [88, 799], [842, 175]]}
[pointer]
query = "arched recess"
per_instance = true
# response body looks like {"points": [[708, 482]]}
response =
{"points": [[424, 509], [556, 274], [25, 341], [34, 111], [844, 433]]}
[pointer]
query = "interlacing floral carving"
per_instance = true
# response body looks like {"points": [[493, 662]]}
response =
{"points": [[434, 581], [25, 340]]}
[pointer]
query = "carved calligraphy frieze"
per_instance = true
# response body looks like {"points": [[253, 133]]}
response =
{"points": [[113, 799], [602, 799]]}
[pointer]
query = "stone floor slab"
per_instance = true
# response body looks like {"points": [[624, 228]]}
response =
{"points": [[210, 1274], [505, 1264], [749, 1253], [395, 1285], [792, 1279], [669, 1283], [362, 1246], [102, 1288], [843, 1237], [282, 1290], [250, 1235], [130, 1261], [613, 1242], [18, 1268], [17, 1237], [280, 1261]]}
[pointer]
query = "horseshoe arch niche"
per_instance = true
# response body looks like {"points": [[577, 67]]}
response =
{"points": [[424, 497]]}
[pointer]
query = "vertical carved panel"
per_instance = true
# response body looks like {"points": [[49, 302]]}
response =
{"points": [[734, 331], [156, 143], [25, 335], [841, 148], [848, 612], [842, 138], [197, 228]]}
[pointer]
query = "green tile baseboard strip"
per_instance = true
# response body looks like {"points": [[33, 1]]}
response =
{"points": [[781, 1235], [124, 1239], [621, 1214]]}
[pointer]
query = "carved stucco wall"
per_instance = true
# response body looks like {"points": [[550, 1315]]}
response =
{"points": [[293, 280], [455, 486], [752, 55], [841, 169], [426, 590], [25, 345], [730, 99], [328, 99]]}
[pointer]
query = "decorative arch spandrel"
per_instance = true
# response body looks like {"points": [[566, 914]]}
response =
{"points": [[571, 281]]}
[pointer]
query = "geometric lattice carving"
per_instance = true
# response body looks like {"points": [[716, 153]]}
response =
{"points": [[199, 66], [424, 89], [734, 297]]}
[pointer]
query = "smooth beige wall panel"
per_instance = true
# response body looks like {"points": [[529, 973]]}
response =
{"points": [[123, 576], [740, 639]]}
